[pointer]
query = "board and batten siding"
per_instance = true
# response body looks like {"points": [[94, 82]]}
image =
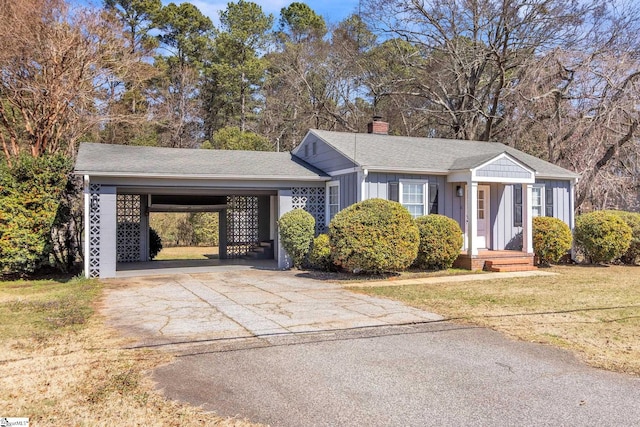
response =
{"points": [[507, 236], [348, 189], [377, 186], [318, 153]]}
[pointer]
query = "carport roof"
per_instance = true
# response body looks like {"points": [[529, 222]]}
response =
{"points": [[134, 161]]}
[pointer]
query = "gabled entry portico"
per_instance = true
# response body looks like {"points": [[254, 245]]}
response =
{"points": [[476, 175]]}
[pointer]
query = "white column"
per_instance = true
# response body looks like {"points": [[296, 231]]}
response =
{"points": [[472, 218], [527, 218]]}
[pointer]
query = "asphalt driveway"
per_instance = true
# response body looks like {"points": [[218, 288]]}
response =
{"points": [[292, 351]]}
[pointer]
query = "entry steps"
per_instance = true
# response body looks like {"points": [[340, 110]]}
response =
{"points": [[262, 250], [509, 264]]}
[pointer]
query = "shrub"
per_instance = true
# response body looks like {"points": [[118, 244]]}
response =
{"points": [[373, 236], [320, 254], [602, 236], [440, 242], [297, 229], [633, 220], [551, 239], [30, 193], [155, 243]]}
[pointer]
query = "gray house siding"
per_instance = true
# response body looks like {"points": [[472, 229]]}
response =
{"points": [[452, 205], [377, 186], [321, 155], [508, 236], [348, 189], [561, 198]]}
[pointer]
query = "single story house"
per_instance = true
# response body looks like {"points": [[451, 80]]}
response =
{"points": [[492, 190]]}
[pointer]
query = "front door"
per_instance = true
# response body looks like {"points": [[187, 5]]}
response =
{"points": [[483, 216]]}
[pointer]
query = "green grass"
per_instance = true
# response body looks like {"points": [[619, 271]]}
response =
{"points": [[593, 311]]}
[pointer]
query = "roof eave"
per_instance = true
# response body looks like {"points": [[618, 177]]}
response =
{"points": [[202, 177], [405, 170]]}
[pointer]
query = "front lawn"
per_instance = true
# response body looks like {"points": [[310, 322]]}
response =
{"points": [[61, 366], [594, 311]]}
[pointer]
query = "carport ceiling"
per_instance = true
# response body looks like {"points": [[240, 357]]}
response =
{"points": [[187, 203]]}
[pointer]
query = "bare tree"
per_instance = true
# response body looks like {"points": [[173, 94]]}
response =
{"points": [[468, 53], [578, 107], [56, 66]]}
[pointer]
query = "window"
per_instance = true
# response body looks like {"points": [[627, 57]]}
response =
{"points": [[481, 203], [413, 197], [333, 199], [537, 201], [541, 202]]}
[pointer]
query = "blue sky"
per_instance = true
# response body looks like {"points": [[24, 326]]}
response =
{"points": [[332, 11]]}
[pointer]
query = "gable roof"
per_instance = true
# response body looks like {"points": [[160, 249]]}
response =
{"points": [[136, 161], [429, 155]]}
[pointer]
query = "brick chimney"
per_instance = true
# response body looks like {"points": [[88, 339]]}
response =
{"points": [[378, 126]]}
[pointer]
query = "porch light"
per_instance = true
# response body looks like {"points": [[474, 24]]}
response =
{"points": [[459, 191]]}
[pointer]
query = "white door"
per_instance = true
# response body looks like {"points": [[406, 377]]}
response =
{"points": [[483, 216]]}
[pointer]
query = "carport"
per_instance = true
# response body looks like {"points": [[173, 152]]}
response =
{"points": [[250, 190]]}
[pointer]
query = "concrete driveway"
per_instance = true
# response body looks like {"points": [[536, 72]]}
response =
{"points": [[291, 351], [182, 310]]}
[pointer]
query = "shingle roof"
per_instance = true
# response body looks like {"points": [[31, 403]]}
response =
{"points": [[123, 160], [431, 155]]}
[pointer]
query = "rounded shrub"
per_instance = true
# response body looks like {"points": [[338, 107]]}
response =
{"points": [[297, 228], [440, 242], [373, 236], [551, 239], [155, 243], [602, 236], [632, 255], [320, 254]]}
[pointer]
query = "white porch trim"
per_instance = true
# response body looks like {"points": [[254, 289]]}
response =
{"points": [[472, 217], [527, 218]]}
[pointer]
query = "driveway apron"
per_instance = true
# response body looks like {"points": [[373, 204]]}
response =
{"points": [[189, 309]]}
